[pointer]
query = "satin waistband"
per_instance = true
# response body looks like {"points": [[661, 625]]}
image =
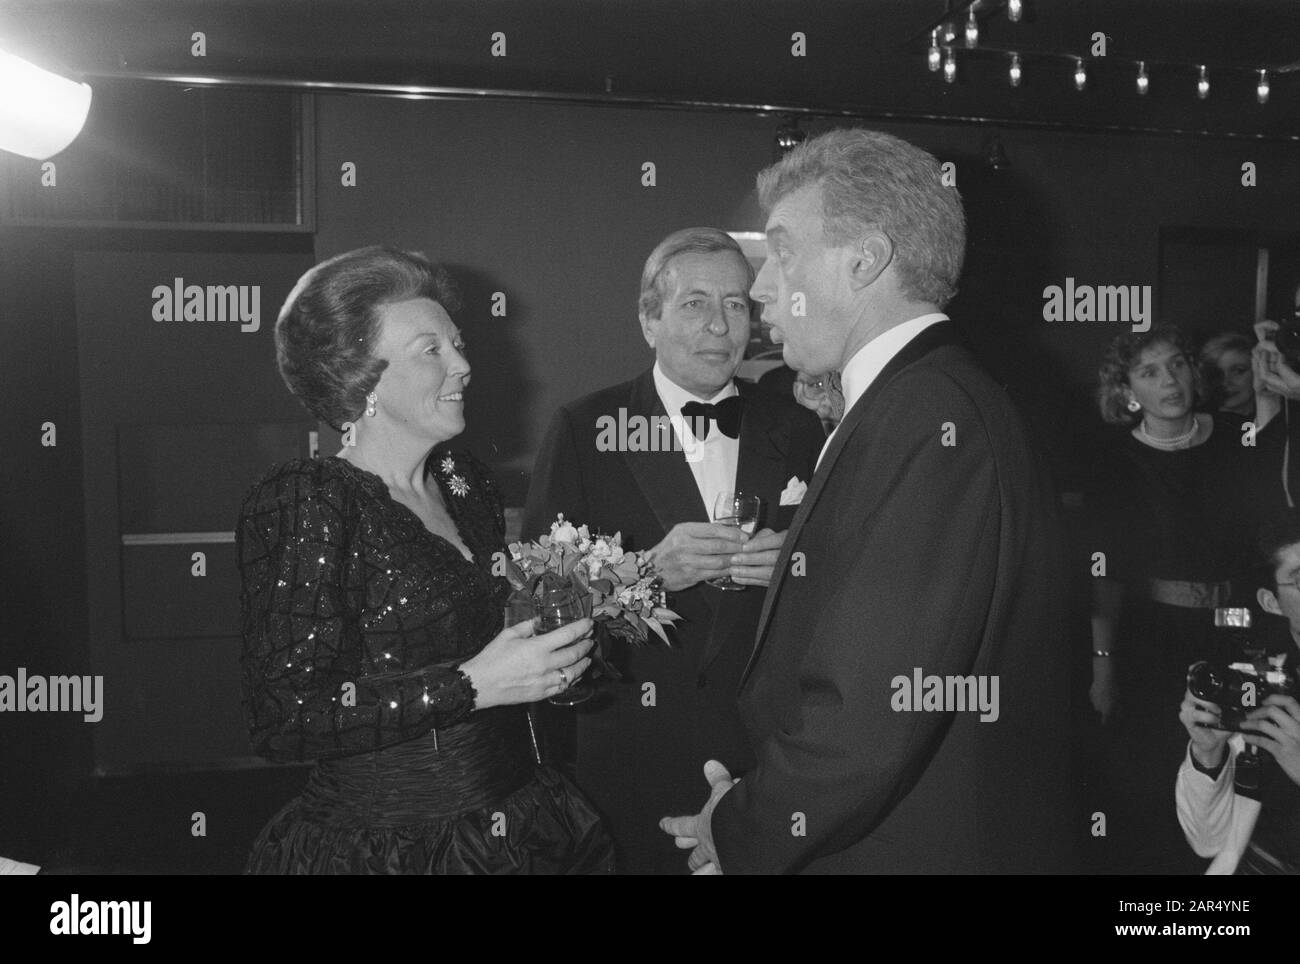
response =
{"points": [[444, 773]]}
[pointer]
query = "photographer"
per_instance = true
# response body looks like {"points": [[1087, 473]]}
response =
{"points": [[1249, 823]]}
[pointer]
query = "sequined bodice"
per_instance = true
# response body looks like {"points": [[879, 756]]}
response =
{"points": [[355, 615]]}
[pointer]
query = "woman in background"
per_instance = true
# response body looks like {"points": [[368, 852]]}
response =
{"points": [[1171, 532], [1228, 376], [373, 639]]}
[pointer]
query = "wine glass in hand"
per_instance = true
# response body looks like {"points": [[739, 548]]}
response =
{"points": [[735, 509], [556, 608]]}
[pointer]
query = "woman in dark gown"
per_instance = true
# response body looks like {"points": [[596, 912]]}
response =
{"points": [[372, 625], [1174, 530]]}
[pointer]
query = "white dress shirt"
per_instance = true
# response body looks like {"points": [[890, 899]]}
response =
{"points": [[715, 468], [1216, 821], [870, 360]]}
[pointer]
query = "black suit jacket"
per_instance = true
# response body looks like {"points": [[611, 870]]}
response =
{"points": [[914, 554], [640, 762]]}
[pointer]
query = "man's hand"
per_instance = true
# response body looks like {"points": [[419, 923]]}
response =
{"points": [[1275, 726], [1271, 371], [693, 552], [696, 832], [754, 564], [1198, 716]]}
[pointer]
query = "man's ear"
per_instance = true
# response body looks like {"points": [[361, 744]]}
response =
{"points": [[648, 326], [873, 255], [1268, 601]]}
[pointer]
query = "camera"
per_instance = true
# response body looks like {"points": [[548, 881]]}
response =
{"points": [[1241, 683], [1238, 688], [1287, 339]]}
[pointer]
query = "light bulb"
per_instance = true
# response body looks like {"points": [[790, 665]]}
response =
{"points": [[1014, 73], [1080, 75], [1143, 83], [972, 29], [950, 67], [1261, 89], [1203, 85], [1015, 10], [934, 58], [41, 113]]}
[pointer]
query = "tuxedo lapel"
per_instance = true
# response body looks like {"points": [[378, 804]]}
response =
{"points": [[760, 466], [760, 469], [940, 333], [665, 480]]}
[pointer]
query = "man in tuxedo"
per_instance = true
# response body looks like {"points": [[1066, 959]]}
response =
{"points": [[639, 748], [922, 567]]}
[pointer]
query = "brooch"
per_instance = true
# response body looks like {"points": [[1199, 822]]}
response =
{"points": [[455, 482]]}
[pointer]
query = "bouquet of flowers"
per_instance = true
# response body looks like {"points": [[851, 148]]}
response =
{"points": [[619, 590]]}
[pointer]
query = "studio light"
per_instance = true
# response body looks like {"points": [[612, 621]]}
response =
{"points": [[1080, 75], [41, 113], [934, 58], [1261, 89], [950, 67], [1014, 72], [1143, 82], [1203, 84]]}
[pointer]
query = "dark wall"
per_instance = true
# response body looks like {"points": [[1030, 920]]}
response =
{"points": [[42, 532], [44, 564], [545, 202]]}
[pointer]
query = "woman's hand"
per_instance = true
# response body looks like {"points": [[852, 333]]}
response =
{"points": [[1103, 692], [1207, 744], [1275, 726], [518, 667]]}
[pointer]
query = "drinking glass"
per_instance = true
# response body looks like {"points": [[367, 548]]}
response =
{"points": [[556, 608], [735, 509], [519, 609]]}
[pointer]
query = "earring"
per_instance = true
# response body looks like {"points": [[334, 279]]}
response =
{"points": [[370, 404], [1134, 405]]}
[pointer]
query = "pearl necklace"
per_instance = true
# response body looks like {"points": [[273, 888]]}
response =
{"points": [[1178, 441]]}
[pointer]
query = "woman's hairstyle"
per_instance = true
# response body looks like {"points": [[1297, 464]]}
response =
{"points": [[326, 332], [654, 276], [1121, 355], [868, 180], [1211, 353]]}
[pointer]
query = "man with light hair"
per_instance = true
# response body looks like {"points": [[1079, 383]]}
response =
{"points": [[926, 546]]}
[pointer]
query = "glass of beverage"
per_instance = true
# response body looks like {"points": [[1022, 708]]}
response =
{"points": [[735, 509], [556, 608], [519, 609]]}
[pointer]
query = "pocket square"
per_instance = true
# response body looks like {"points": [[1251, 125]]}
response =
{"points": [[794, 490]]}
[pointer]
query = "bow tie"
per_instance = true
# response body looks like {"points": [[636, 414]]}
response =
{"points": [[726, 413]]}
